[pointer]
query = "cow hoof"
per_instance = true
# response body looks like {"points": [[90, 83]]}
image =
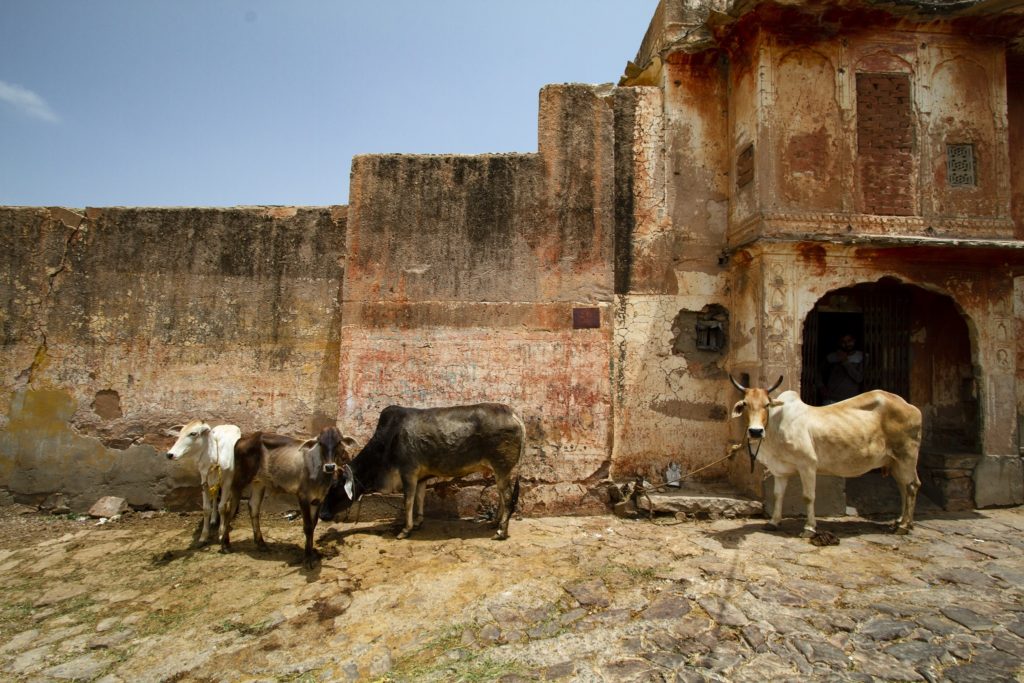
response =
{"points": [[402, 534], [901, 531], [499, 537], [225, 549], [807, 533], [771, 526]]}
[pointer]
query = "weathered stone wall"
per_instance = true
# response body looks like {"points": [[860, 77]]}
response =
{"points": [[827, 163], [118, 323], [670, 393], [780, 283], [462, 279]]}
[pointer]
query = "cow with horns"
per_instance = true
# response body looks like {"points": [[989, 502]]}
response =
{"points": [[846, 439]]}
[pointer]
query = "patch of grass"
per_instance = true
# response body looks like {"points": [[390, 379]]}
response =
{"points": [[642, 573], [474, 668], [15, 618], [76, 604], [615, 574], [244, 629], [304, 677], [444, 658], [161, 621]]}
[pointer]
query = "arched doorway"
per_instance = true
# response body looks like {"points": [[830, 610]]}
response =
{"points": [[916, 344]]}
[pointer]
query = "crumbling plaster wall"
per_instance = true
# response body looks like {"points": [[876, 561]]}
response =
{"points": [[118, 323], [812, 158], [670, 396], [462, 278]]}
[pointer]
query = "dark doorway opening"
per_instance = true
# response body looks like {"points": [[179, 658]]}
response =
{"points": [[916, 344], [878, 316]]}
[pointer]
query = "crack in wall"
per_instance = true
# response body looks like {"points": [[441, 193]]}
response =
{"points": [[74, 223]]}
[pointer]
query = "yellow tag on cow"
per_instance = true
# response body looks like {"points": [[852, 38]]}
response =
{"points": [[213, 479]]}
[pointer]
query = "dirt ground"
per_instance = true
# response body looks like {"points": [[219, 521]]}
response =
{"points": [[569, 598]]}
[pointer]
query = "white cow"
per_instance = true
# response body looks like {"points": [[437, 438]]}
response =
{"points": [[846, 439], [215, 449]]}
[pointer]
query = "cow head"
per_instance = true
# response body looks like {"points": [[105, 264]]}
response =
{"points": [[326, 453], [191, 439], [755, 404]]}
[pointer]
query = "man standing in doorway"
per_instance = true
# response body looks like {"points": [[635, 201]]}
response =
{"points": [[845, 371]]}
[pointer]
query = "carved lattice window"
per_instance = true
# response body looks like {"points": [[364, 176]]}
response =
{"points": [[960, 166]]}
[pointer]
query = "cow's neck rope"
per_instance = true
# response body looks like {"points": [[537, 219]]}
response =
{"points": [[647, 489], [754, 451]]}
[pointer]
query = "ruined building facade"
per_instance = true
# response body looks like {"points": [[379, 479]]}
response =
{"points": [[764, 178]]}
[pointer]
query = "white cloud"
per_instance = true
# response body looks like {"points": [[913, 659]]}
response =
{"points": [[27, 102]]}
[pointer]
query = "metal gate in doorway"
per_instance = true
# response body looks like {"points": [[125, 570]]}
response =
{"points": [[882, 314]]}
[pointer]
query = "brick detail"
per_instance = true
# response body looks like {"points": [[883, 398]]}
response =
{"points": [[885, 144]]}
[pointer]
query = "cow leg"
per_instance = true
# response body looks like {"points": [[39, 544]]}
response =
{"points": [[255, 502], [227, 504], [779, 484], [504, 486], [905, 474], [421, 493], [409, 488], [808, 480], [204, 535], [308, 527]]}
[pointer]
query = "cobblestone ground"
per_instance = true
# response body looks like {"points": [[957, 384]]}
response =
{"points": [[589, 598]]}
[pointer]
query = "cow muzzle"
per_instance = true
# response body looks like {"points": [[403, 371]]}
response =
{"points": [[330, 468], [756, 432], [170, 456]]}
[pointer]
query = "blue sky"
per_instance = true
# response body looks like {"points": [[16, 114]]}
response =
{"points": [[230, 102]]}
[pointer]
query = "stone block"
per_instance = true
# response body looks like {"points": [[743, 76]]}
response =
{"points": [[108, 506], [999, 480], [701, 506]]}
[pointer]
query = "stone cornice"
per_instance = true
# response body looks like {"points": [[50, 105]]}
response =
{"points": [[862, 228]]}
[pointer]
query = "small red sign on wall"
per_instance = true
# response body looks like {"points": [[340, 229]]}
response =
{"points": [[586, 318]]}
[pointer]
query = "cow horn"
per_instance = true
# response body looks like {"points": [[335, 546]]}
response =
{"points": [[739, 386], [775, 386]]}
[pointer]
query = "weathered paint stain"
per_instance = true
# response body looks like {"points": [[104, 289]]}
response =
{"points": [[814, 255], [689, 410]]}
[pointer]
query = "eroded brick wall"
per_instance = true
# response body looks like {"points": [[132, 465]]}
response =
{"points": [[885, 144]]}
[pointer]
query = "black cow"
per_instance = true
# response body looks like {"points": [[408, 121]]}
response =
{"points": [[412, 445]]}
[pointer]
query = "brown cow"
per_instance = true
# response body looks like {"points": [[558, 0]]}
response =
{"points": [[305, 469]]}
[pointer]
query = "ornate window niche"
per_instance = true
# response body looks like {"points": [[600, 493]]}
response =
{"points": [[961, 166]]}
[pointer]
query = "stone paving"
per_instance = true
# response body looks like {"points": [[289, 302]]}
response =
{"points": [[574, 599]]}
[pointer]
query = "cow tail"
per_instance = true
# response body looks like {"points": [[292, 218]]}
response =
{"points": [[522, 452], [515, 498]]}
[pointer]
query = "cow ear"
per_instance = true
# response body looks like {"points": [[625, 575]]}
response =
{"points": [[349, 442], [174, 431], [737, 410], [204, 428], [775, 404], [314, 462], [308, 443]]}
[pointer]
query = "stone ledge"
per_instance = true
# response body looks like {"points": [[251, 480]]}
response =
{"points": [[700, 505]]}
